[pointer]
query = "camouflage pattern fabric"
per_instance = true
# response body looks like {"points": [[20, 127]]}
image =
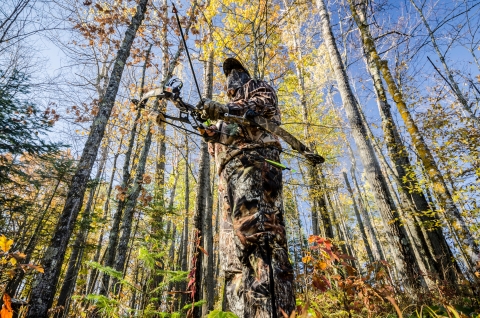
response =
{"points": [[259, 97], [252, 237]]}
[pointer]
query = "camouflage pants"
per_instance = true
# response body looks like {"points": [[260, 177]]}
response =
{"points": [[253, 245]]}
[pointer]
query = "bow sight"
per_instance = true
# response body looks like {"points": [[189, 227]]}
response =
{"points": [[172, 88], [171, 92]]}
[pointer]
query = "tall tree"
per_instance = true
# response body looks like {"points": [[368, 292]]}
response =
{"points": [[447, 205], [80, 241], [44, 290], [208, 279], [403, 253]]}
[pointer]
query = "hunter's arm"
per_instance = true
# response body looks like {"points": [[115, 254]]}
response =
{"points": [[257, 96]]}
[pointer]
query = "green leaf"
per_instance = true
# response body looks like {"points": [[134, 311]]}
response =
{"points": [[221, 314], [197, 304]]}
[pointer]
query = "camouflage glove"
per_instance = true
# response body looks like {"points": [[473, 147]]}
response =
{"points": [[213, 110], [210, 133]]}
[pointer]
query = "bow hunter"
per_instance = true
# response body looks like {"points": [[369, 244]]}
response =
{"points": [[253, 246], [244, 142]]}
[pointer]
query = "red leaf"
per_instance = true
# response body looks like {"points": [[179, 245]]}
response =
{"points": [[321, 283], [345, 256]]}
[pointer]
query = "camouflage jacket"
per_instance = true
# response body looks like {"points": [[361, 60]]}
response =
{"points": [[255, 95]]}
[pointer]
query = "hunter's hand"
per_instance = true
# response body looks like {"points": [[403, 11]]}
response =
{"points": [[213, 110], [210, 133]]}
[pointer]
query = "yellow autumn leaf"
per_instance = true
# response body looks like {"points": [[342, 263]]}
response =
{"points": [[5, 243], [11, 273], [322, 265], [306, 259], [13, 261]]}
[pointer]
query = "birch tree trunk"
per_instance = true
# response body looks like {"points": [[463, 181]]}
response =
{"points": [[359, 220], [374, 236], [445, 200], [433, 240], [44, 291], [403, 251]]}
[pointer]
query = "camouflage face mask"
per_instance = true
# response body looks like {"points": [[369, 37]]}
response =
{"points": [[235, 80]]}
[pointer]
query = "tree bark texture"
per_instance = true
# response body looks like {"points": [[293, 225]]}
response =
{"points": [[44, 291], [198, 218], [208, 279], [184, 250]]}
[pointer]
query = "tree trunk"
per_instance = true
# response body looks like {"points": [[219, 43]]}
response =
{"points": [[13, 283], [106, 206], [198, 218], [79, 244], [403, 253], [126, 175], [131, 202], [184, 250], [359, 220], [207, 277], [44, 291], [433, 240], [447, 205], [342, 231], [315, 189], [376, 246]]}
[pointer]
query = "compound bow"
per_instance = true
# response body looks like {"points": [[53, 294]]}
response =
{"points": [[171, 92]]}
